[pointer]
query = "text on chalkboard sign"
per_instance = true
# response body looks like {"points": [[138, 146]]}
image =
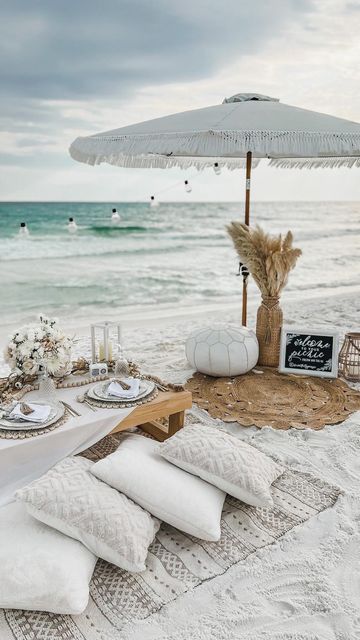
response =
{"points": [[312, 352]]}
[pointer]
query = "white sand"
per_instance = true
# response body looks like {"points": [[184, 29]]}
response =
{"points": [[307, 585]]}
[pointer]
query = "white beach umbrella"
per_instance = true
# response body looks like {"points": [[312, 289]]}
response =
{"points": [[243, 129]]}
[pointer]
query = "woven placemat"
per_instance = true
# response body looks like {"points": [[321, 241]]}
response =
{"points": [[106, 404], [18, 434], [264, 397]]}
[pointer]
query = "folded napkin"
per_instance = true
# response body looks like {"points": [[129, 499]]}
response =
{"points": [[115, 389], [40, 412]]}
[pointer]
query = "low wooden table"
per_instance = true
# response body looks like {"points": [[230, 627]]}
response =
{"points": [[168, 404]]}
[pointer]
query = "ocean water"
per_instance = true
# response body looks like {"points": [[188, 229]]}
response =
{"points": [[175, 255]]}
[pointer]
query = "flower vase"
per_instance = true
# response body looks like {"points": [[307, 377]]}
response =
{"points": [[268, 331]]}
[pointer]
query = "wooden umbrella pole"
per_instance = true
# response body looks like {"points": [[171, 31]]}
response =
{"points": [[247, 222]]}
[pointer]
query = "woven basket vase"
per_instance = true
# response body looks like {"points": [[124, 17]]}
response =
{"points": [[268, 331]]}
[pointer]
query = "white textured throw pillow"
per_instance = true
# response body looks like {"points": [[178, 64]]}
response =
{"points": [[72, 500], [40, 568], [225, 461], [181, 499]]}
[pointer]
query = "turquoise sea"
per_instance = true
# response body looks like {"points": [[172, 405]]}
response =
{"points": [[175, 255]]}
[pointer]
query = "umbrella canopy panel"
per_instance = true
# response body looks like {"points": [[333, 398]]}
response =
{"points": [[225, 133]]}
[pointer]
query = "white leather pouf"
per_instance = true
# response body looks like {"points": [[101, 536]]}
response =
{"points": [[222, 350]]}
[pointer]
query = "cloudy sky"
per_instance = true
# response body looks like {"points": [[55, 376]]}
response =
{"points": [[74, 67]]}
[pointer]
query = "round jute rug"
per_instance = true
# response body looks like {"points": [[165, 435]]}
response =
{"points": [[264, 397]]}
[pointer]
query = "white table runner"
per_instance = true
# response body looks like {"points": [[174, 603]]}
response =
{"points": [[22, 461]]}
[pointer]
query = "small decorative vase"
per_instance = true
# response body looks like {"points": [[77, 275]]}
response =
{"points": [[268, 330], [121, 368], [47, 387]]}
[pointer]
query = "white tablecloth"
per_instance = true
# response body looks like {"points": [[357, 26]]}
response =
{"points": [[22, 461]]}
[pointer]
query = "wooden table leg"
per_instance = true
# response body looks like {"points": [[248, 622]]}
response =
{"points": [[159, 431], [155, 429], [176, 422]]}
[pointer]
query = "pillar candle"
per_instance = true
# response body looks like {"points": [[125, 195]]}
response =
{"points": [[102, 351]]}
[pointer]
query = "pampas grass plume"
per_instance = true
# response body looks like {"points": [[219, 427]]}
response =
{"points": [[268, 258]]}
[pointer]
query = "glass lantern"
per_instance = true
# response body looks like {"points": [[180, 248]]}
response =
{"points": [[105, 336]]}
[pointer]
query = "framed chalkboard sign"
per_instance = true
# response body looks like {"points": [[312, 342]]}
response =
{"points": [[309, 351]]}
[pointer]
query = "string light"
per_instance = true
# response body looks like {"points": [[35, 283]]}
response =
{"points": [[153, 199], [217, 168], [153, 202], [243, 271]]}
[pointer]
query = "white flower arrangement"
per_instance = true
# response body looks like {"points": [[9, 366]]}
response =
{"points": [[36, 344]]}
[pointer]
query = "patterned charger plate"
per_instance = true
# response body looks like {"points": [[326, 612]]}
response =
{"points": [[100, 392], [57, 412]]}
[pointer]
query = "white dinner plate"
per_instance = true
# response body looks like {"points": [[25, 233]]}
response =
{"points": [[100, 392], [57, 411]]}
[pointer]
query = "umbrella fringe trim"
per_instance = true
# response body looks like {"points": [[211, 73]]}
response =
{"points": [[314, 163], [202, 149], [162, 162]]}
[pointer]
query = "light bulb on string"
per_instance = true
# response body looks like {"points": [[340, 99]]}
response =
{"points": [[217, 168], [188, 188], [153, 202], [243, 271]]}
